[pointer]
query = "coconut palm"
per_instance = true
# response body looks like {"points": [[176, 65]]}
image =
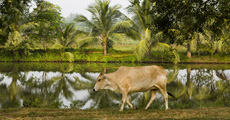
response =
{"points": [[68, 36], [144, 31], [106, 22]]}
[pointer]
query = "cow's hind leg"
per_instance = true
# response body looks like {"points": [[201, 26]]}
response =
{"points": [[165, 94], [153, 96], [127, 100], [124, 98]]}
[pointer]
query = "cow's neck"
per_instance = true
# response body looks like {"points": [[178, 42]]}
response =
{"points": [[111, 83]]}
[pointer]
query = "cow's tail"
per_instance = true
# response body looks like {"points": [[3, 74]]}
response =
{"points": [[171, 95]]}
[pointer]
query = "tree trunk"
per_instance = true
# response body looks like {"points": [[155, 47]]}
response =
{"points": [[198, 44], [105, 45], [148, 51], [213, 46], [105, 70], [105, 49], [44, 45], [189, 49], [212, 49], [188, 81]]}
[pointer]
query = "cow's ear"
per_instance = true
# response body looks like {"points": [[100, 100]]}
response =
{"points": [[101, 74]]}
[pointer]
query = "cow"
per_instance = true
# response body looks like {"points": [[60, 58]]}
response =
{"points": [[127, 80]]}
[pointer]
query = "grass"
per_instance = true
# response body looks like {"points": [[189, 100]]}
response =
{"points": [[111, 114], [122, 53]]}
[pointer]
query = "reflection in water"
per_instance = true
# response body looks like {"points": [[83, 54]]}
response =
{"points": [[57, 85]]}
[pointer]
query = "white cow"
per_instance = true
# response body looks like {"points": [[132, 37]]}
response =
{"points": [[135, 79]]}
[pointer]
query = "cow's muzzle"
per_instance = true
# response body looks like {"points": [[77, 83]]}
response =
{"points": [[94, 90]]}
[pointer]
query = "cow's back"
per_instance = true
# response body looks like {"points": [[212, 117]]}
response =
{"points": [[142, 78]]}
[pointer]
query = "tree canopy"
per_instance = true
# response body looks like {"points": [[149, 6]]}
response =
{"points": [[203, 23]]}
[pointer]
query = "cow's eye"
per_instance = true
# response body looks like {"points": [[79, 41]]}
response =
{"points": [[99, 79]]}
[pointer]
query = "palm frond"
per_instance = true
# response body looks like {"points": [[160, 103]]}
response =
{"points": [[163, 46], [69, 56], [120, 26], [176, 57], [133, 34], [203, 92], [172, 76], [83, 19], [158, 36], [178, 90], [117, 37], [86, 41], [141, 50]]}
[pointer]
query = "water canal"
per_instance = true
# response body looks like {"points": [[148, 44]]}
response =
{"points": [[69, 85]]}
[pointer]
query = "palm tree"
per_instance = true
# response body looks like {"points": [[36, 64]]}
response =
{"points": [[141, 29], [106, 23], [144, 31], [68, 36]]}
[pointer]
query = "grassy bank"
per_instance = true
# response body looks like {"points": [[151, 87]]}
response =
{"points": [[96, 55], [109, 114], [53, 55]]}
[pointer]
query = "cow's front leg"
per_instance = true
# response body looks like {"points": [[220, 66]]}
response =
{"points": [[127, 100], [124, 97]]}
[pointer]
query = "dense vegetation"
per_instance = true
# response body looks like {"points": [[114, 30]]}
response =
{"points": [[157, 31]]}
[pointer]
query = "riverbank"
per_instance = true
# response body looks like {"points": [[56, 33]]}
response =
{"points": [[110, 114], [114, 56]]}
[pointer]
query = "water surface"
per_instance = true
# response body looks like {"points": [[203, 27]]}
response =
{"points": [[69, 85]]}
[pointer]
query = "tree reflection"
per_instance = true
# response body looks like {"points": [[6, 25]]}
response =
{"points": [[11, 99], [199, 87], [100, 99], [222, 92], [62, 84], [38, 93]]}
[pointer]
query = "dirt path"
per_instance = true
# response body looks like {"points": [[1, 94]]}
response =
{"points": [[107, 114]]}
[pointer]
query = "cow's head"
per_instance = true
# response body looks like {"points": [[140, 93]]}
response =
{"points": [[100, 82]]}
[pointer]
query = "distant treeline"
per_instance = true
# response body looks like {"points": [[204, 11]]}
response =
{"points": [[199, 26]]}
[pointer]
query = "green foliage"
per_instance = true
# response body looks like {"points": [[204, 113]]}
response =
{"points": [[68, 57], [168, 51], [203, 23], [106, 23], [48, 19]]}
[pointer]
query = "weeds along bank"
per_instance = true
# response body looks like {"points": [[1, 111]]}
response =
{"points": [[69, 56], [96, 55]]}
